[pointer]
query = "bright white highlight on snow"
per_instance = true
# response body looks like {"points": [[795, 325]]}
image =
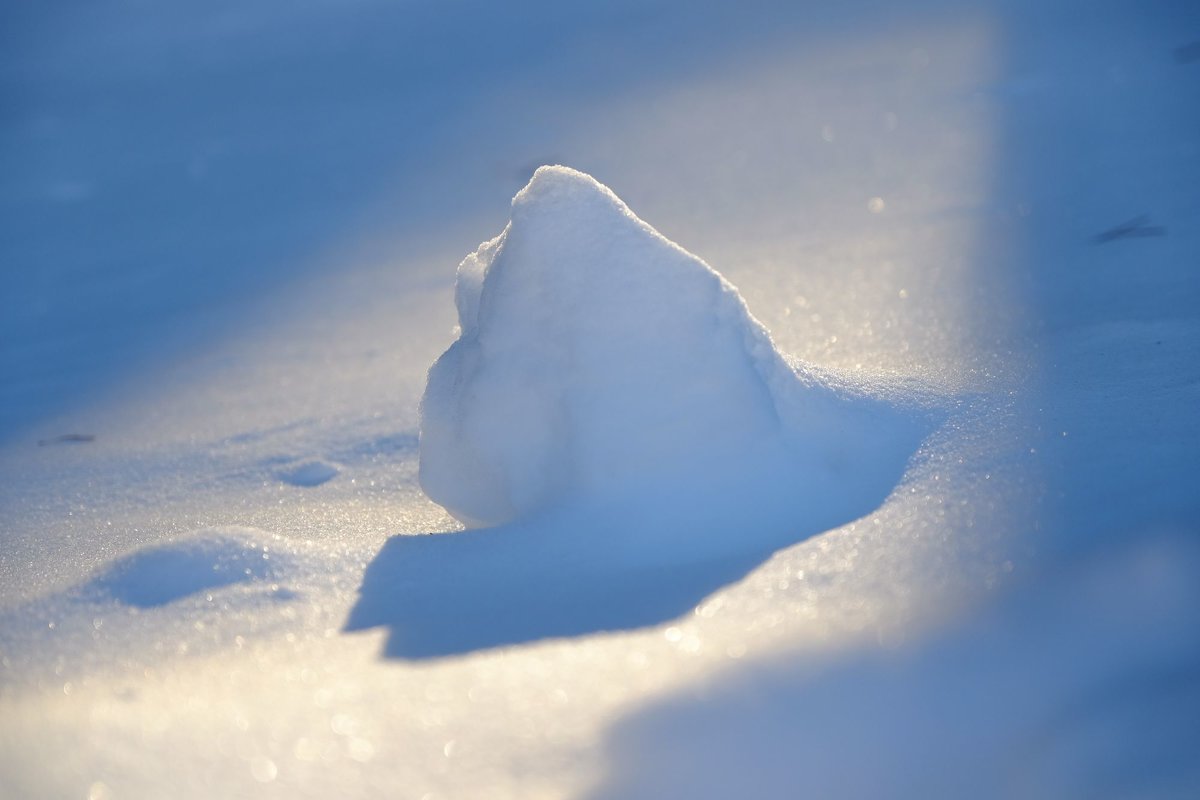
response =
{"points": [[601, 364]]}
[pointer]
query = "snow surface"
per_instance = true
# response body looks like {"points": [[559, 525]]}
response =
{"points": [[599, 363], [228, 243], [1108, 696]]}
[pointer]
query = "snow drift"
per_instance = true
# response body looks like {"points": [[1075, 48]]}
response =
{"points": [[600, 365]]}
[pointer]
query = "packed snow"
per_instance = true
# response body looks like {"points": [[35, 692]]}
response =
{"points": [[600, 364]]}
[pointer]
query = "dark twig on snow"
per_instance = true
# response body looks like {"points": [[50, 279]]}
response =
{"points": [[68, 438], [1136, 228]]}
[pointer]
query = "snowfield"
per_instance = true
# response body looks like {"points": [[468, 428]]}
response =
{"points": [[912, 512]]}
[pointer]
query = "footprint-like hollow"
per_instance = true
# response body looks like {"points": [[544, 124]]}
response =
{"points": [[308, 474], [210, 559], [613, 412]]}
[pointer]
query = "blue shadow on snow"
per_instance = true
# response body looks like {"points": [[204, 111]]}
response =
{"points": [[453, 593]]}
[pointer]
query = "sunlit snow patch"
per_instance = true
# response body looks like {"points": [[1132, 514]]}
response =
{"points": [[601, 365]]}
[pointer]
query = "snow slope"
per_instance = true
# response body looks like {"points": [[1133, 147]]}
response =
{"points": [[227, 262]]}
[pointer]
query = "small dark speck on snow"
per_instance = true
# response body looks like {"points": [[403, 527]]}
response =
{"points": [[67, 438]]}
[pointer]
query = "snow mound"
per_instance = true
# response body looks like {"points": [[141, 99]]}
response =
{"points": [[600, 364], [209, 559]]}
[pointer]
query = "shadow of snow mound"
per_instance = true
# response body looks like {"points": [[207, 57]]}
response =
{"points": [[450, 594], [633, 561], [161, 574]]}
